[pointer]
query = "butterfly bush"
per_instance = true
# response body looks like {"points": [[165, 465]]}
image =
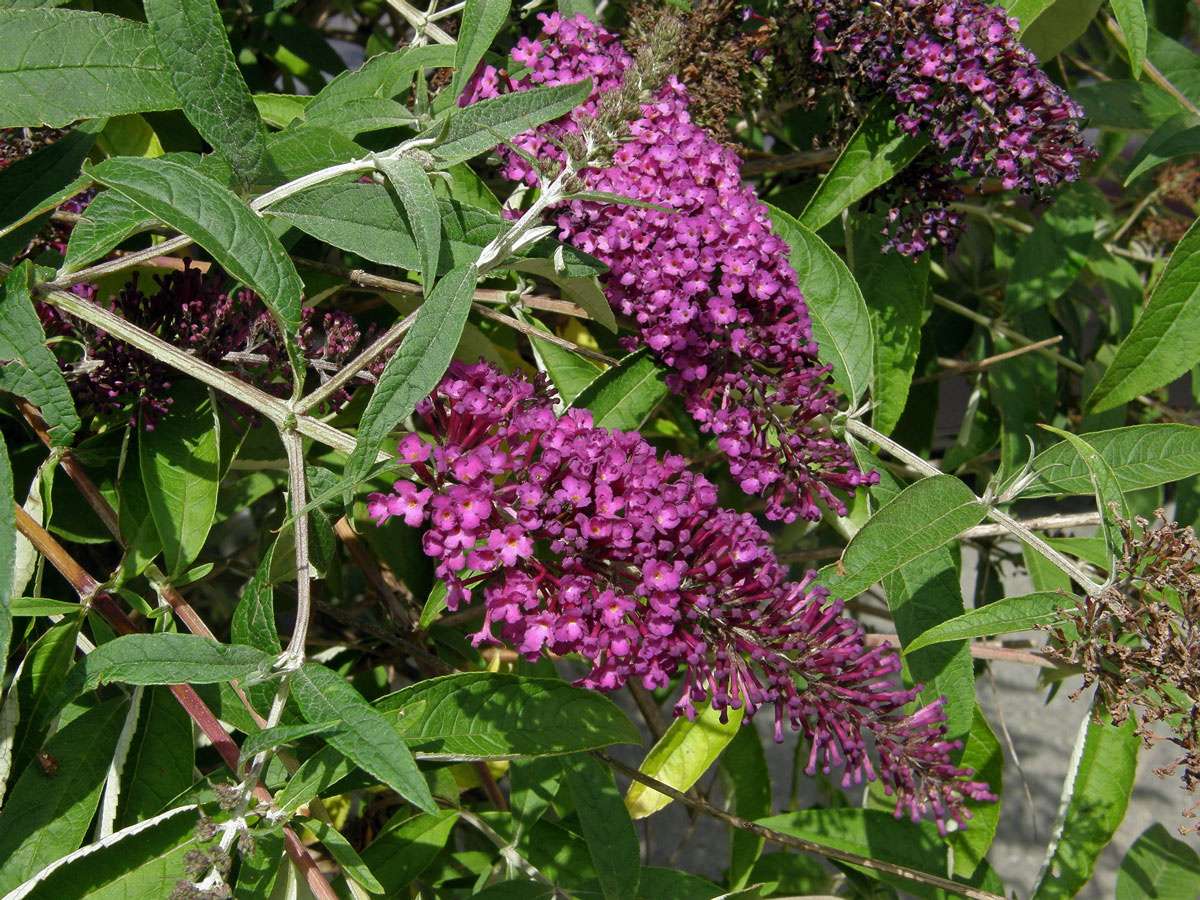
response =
{"points": [[958, 74], [704, 277], [582, 540], [196, 312]]}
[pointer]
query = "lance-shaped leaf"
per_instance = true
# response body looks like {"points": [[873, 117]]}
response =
{"points": [[70, 64], [110, 218], [1159, 867], [1109, 498], [161, 758], [165, 658], [875, 152], [611, 840], [1049, 26], [1004, 616], [214, 217], [484, 715], [1094, 798], [1162, 344], [8, 553], [191, 40], [481, 126], [840, 321], [921, 518], [46, 818], [624, 396], [416, 367], [1131, 16], [363, 100], [343, 851], [365, 735], [681, 756], [42, 180], [1140, 456], [181, 473], [269, 738], [411, 184], [407, 846], [1178, 136], [983, 755], [481, 21], [30, 370]]}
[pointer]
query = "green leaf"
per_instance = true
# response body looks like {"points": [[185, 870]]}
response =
{"points": [[30, 370], [161, 758], [411, 184], [139, 864], [191, 40], [165, 658], [840, 321], [70, 65], [47, 817], [921, 518], [984, 756], [922, 593], [39, 182], [344, 853], [416, 367], [1178, 136], [746, 785], [1140, 456], [1094, 798], [8, 553], [292, 154], [1161, 346], [684, 753], [281, 110], [218, 221], [1109, 499], [407, 847], [315, 774], [1159, 867], [873, 155], [366, 736], [41, 678], [108, 220], [1176, 63], [570, 372], [365, 219], [611, 840], [1004, 616], [585, 291], [1051, 257], [625, 395], [362, 100], [1122, 105], [40, 606], [259, 870], [254, 619], [1131, 16], [481, 126], [874, 833], [181, 474], [270, 738], [893, 288], [484, 715], [532, 786], [1048, 28], [481, 22]]}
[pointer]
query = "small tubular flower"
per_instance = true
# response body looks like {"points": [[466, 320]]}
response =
{"points": [[706, 279], [640, 572]]}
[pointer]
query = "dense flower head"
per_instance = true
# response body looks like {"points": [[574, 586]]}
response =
{"points": [[957, 73], [582, 540], [194, 311], [704, 277]]}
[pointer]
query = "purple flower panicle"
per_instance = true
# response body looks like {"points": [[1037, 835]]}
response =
{"points": [[708, 282], [957, 73], [582, 540]]}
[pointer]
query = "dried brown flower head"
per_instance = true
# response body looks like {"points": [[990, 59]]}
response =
{"points": [[1138, 642]]}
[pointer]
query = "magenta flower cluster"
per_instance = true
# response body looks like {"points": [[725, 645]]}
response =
{"points": [[707, 281], [582, 540], [195, 312], [957, 73]]}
